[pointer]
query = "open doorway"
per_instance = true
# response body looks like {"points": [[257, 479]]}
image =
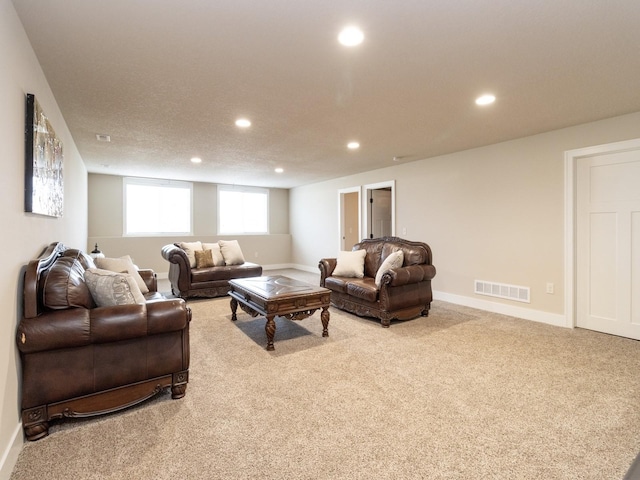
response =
{"points": [[349, 217], [380, 209]]}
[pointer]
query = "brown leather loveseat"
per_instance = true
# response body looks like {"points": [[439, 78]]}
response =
{"points": [[404, 290], [79, 359], [188, 279]]}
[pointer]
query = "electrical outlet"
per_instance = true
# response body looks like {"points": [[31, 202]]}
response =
{"points": [[550, 288], [256, 254], [404, 230]]}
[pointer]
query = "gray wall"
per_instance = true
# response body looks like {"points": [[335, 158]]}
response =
{"points": [[494, 213], [106, 227], [26, 234]]}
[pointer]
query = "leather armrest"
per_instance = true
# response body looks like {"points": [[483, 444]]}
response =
{"points": [[180, 268], [174, 254], [55, 329], [76, 327], [150, 278], [120, 322], [406, 275], [167, 316], [326, 266]]}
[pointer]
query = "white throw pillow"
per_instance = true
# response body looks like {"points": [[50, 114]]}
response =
{"points": [[350, 264], [122, 265], [110, 288], [218, 259], [231, 252], [394, 260], [190, 248]]}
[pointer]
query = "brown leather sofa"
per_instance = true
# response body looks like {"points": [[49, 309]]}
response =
{"points": [[404, 292], [81, 360], [208, 282]]}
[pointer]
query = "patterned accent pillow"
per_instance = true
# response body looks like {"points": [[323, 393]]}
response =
{"points": [[111, 288]]}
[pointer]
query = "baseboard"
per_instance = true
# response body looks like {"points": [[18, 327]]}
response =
{"points": [[279, 266], [10, 455], [555, 319], [304, 268]]}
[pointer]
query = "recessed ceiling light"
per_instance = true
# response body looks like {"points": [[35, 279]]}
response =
{"points": [[486, 99], [279, 170], [351, 36], [243, 123], [353, 145], [196, 160]]}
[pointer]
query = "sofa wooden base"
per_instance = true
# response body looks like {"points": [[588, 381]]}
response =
{"points": [[211, 292], [35, 421], [345, 302]]}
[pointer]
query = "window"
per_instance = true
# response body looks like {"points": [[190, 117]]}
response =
{"points": [[156, 207], [242, 210]]}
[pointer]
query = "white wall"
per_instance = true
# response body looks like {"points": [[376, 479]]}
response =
{"points": [[106, 226], [494, 213], [26, 235]]}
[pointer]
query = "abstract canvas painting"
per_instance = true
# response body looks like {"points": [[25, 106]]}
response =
{"points": [[44, 186]]}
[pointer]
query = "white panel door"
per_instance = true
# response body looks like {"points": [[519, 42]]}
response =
{"points": [[608, 243], [380, 204]]}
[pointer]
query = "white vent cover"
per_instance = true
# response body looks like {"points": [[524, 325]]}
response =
{"points": [[502, 290]]}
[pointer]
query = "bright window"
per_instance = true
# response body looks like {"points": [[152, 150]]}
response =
{"points": [[157, 207], [242, 210]]}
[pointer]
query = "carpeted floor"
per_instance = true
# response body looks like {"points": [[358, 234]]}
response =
{"points": [[461, 394]]}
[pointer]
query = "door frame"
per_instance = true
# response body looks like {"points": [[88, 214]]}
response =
{"points": [[571, 158], [341, 194], [365, 204]]}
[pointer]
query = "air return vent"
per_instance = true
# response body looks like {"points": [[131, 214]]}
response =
{"points": [[502, 290]]}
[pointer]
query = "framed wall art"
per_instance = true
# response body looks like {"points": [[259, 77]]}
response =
{"points": [[43, 179]]}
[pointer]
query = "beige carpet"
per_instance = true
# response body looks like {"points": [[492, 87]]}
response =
{"points": [[461, 394]]}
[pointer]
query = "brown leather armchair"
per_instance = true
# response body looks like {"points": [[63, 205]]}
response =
{"points": [[81, 360], [404, 292]]}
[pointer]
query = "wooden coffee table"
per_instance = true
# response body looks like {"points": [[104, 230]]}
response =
{"points": [[279, 296]]}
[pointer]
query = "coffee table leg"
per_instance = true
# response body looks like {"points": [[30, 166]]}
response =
{"points": [[234, 307], [270, 328], [324, 316]]}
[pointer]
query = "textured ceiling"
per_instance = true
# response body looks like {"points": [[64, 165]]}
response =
{"points": [[167, 79]]}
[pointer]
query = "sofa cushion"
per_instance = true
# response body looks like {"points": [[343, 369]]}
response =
{"points": [[372, 260], [190, 248], [413, 255], [231, 252], [336, 284], [392, 261], [111, 288], [204, 258], [350, 264], [218, 259], [215, 274], [122, 265], [85, 260], [64, 285], [364, 288]]}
